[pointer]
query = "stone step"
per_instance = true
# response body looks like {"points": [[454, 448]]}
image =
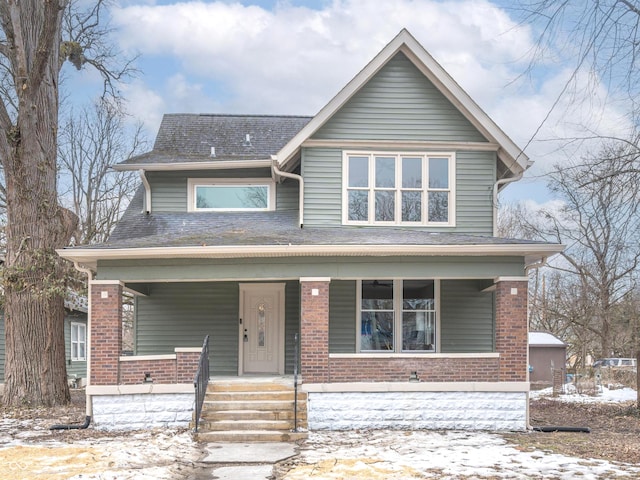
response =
{"points": [[253, 396], [250, 436], [272, 405], [267, 415], [230, 386], [244, 425]]}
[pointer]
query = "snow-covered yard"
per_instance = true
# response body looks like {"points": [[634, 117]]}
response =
{"points": [[29, 450]]}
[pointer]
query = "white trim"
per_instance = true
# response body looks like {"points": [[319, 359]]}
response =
{"points": [[402, 145], [90, 256], [405, 356], [210, 165], [511, 279], [398, 188], [142, 358], [315, 279], [192, 183], [509, 152], [106, 282], [188, 349], [416, 387], [140, 388]]}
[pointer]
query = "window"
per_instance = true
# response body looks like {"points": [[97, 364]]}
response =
{"points": [[231, 195], [406, 189], [78, 341], [397, 315]]}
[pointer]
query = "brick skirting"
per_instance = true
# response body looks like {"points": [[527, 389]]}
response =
{"points": [[180, 369]]}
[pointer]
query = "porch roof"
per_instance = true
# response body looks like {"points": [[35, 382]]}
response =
{"points": [[260, 234]]}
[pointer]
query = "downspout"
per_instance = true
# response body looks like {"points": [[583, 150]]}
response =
{"points": [[88, 402], [502, 181], [147, 192], [279, 173]]}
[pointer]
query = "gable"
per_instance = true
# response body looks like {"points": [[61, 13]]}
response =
{"points": [[399, 103]]}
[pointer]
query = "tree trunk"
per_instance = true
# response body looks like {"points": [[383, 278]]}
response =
{"points": [[35, 370]]}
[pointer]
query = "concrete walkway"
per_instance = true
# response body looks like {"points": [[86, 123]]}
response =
{"points": [[233, 461]]}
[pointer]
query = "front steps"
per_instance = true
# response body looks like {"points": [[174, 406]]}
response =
{"points": [[252, 410]]}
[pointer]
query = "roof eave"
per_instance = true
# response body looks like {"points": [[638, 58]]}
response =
{"points": [[206, 165]]}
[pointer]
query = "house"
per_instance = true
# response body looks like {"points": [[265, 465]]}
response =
{"points": [[546, 354], [75, 341], [368, 230]]}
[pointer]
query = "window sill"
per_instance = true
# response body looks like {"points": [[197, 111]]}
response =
{"points": [[415, 355]]}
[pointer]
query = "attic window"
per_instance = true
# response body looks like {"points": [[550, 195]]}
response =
{"points": [[220, 195]]}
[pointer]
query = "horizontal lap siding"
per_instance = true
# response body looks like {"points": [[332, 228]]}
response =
{"points": [[342, 316], [322, 172], [181, 314], [466, 317], [78, 368], [399, 103], [475, 177], [292, 322]]}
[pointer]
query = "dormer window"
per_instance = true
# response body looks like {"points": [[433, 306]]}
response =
{"points": [[226, 195], [399, 189]]}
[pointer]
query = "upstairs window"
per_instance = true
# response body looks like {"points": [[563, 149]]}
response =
{"points": [[216, 195], [399, 189]]}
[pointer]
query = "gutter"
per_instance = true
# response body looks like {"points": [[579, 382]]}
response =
{"points": [[502, 181], [147, 192], [88, 401], [279, 173]]}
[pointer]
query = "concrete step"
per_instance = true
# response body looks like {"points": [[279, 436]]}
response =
{"points": [[231, 386], [266, 415], [250, 436], [253, 396], [261, 405], [244, 425]]}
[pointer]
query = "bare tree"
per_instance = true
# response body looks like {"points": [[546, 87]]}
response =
{"points": [[91, 142], [32, 52]]}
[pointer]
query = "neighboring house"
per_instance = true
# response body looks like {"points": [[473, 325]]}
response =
{"points": [[75, 342], [546, 354], [368, 229]]}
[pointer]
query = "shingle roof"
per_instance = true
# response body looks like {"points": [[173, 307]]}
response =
{"points": [[138, 230], [190, 137]]}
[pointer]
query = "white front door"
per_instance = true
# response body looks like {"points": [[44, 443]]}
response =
{"points": [[262, 328]]}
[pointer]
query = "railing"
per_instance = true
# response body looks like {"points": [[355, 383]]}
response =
{"points": [[202, 379], [295, 383]]}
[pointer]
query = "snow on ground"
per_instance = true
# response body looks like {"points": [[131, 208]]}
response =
{"points": [[392, 455], [605, 395]]}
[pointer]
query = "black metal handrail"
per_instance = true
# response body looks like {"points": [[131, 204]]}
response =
{"points": [[295, 383], [201, 380]]}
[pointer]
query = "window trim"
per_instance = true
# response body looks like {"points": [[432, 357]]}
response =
{"points": [[192, 183], [83, 341], [397, 318], [451, 156]]}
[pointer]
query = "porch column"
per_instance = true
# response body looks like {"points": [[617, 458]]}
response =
{"points": [[512, 328], [314, 329], [105, 332]]}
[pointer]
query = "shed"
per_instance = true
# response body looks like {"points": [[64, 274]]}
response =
{"points": [[546, 352]]}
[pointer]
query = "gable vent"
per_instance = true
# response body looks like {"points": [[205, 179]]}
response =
{"points": [[247, 140], [213, 151]]}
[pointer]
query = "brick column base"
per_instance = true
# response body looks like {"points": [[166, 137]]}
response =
{"points": [[512, 329], [105, 332], [314, 330]]}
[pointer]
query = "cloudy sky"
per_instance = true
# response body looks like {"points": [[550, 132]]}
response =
{"points": [[292, 57]]}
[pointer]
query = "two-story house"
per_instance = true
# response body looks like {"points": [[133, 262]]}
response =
{"points": [[366, 231]]}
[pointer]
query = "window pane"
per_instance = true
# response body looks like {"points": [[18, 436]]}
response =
{"points": [[81, 353], [232, 196], [438, 206], [418, 295], [358, 171], [411, 206], [411, 173], [418, 331], [74, 350], [74, 333], [385, 205], [377, 294], [438, 173], [385, 172], [358, 205], [377, 331]]}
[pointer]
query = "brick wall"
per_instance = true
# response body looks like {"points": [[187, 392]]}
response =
{"points": [[132, 372], [186, 366], [106, 333], [512, 330], [399, 369], [314, 341]]}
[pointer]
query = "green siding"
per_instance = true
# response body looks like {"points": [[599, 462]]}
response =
{"points": [[399, 103], [467, 317], [322, 173], [475, 177], [287, 195], [181, 314], [292, 322], [337, 268], [342, 316], [78, 368]]}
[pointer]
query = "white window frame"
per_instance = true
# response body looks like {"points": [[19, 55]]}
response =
{"points": [[193, 183], [80, 340], [451, 156], [397, 317]]}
